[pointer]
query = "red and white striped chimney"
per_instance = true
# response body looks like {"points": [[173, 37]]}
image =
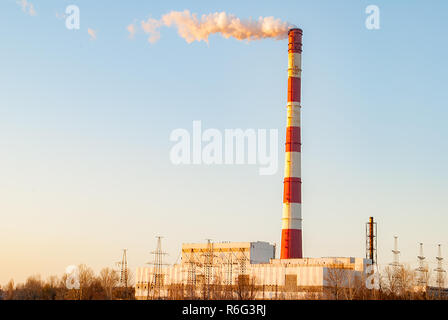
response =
{"points": [[292, 191]]}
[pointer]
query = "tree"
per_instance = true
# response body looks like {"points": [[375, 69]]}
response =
{"points": [[51, 288], [31, 290], [399, 282], [95, 291], [246, 288], [9, 290], [336, 278], [109, 279], [86, 278]]}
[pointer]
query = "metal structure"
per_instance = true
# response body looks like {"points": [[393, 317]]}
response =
{"points": [[291, 246], [193, 268], [192, 265], [208, 266], [124, 272], [422, 270], [440, 272], [371, 241], [397, 267], [396, 253], [158, 276], [214, 260], [229, 264], [222, 262], [270, 278]]}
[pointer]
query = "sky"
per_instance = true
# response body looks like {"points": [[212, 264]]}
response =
{"points": [[86, 116]]}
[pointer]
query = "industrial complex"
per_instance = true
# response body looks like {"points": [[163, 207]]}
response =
{"points": [[207, 265]]}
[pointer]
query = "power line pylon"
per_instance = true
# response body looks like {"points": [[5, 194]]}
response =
{"points": [[158, 276], [396, 252], [241, 260], [193, 262], [440, 278], [397, 268], [124, 272], [228, 264], [422, 270], [208, 267]]}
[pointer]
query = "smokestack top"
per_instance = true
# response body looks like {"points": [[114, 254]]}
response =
{"points": [[295, 30], [295, 40]]}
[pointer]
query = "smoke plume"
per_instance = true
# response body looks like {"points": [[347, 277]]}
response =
{"points": [[192, 28], [27, 7]]}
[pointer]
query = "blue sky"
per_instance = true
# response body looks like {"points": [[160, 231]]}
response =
{"points": [[85, 125]]}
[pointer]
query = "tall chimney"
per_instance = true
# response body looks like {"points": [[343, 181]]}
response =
{"points": [[292, 189]]}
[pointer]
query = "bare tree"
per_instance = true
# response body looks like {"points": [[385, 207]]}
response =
{"points": [[246, 288], [176, 292], [64, 293], [399, 282], [86, 279], [9, 290], [51, 288], [336, 280], [312, 295], [33, 287], [109, 279]]}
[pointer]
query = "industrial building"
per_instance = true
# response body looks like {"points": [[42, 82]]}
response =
{"points": [[205, 266], [226, 264]]}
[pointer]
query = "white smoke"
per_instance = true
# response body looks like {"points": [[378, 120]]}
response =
{"points": [[192, 28], [132, 30], [27, 7], [152, 27]]}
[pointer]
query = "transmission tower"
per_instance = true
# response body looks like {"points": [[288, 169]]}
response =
{"points": [[192, 264], [157, 279], [396, 252], [124, 273], [396, 266], [243, 262], [440, 278], [229, 264], [208, 267], [422, 270], [371, 243]]}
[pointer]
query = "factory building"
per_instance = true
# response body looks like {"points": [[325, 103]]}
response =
{"points": [[207, 268], [227, 264]]}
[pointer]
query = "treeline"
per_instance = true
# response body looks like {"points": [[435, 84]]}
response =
{"points": [[393, 283], [104, 286]]}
